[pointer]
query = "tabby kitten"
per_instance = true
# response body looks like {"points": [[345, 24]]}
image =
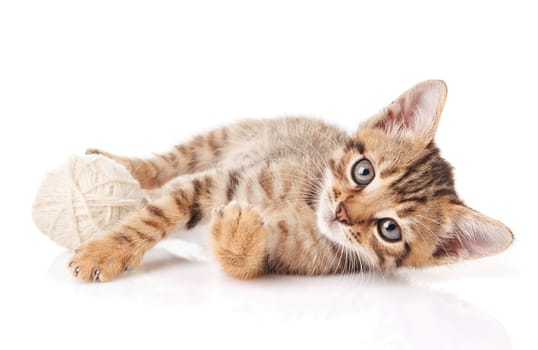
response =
{"points": [[295, 195]]}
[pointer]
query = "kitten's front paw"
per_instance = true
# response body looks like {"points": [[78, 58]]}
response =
{"points": [[102, 260], [239, 239]]}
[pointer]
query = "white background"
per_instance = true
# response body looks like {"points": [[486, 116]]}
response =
{"points": [[135, 77]]}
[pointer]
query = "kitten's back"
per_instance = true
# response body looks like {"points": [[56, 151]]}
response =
{"points": [[285, 138]]}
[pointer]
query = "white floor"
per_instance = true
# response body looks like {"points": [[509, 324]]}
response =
{"points": [[170, 302]]}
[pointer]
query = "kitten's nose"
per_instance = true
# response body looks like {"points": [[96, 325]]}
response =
{"points": [[341, 214]]}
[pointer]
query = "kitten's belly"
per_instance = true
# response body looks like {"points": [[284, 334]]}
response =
{"points": [[295, 245]]}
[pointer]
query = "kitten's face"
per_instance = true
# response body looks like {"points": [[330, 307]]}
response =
{"points": [[389, 196]]}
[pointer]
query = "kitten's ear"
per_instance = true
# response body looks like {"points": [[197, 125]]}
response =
{"points": [[415, 113], [472, 235]]}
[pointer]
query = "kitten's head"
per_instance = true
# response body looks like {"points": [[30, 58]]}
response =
{"points": [[389, 196]]}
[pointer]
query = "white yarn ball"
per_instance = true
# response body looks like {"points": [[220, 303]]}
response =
{"points": [[83, 197]]}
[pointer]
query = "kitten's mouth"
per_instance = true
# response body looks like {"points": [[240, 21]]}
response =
{"points": [[332, 221]]}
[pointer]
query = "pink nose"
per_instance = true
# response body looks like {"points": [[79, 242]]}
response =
{"points": [[341, 214]]}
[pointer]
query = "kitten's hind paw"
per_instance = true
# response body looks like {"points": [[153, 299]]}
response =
{"points": [[118, 159], [92, 151], [95, 151]]}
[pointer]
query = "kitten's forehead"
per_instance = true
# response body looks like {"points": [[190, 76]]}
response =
{"points": [[429, 177], [411, 167], [382, 147]]}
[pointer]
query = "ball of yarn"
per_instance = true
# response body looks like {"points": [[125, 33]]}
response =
{"points": [[83, 197]]}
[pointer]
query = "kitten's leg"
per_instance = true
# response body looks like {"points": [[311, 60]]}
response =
{"points": [[199, 154], [182, 206], [239, 240]]}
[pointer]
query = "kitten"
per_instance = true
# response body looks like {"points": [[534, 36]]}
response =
{"points": [[296, 195]]}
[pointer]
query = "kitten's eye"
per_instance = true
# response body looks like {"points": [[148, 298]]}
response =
{"points": [[363, 172], [389, 230]]}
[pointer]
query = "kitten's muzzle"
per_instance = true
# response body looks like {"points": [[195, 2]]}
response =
{"points": [[341, 214]]}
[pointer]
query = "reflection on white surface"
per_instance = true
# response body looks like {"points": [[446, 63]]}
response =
{"points": [[362, 310]]}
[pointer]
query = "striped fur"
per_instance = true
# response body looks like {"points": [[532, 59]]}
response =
{"points": [[268, 189]]}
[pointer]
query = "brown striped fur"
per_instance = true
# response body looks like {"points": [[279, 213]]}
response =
{"points": [[269, 188]]}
